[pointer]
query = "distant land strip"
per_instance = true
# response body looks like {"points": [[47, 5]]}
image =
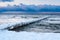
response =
{"points": [[30, 13]]}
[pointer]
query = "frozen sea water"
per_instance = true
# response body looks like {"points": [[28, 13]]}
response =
{"points": [[41, 30], [11, 20], [49, 23]]}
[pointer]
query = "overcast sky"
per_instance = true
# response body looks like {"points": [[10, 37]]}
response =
{"points": [[35, 2]]}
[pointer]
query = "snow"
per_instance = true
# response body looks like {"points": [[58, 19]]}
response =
{"points": [[10, 22], [56, 19], [23, 35], [9, 35], [53, 22]]}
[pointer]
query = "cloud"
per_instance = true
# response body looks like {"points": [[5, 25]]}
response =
{"points": [[6, 0]]}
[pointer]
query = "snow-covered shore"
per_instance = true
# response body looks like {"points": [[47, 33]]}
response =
{"points": [[10, 35]]}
